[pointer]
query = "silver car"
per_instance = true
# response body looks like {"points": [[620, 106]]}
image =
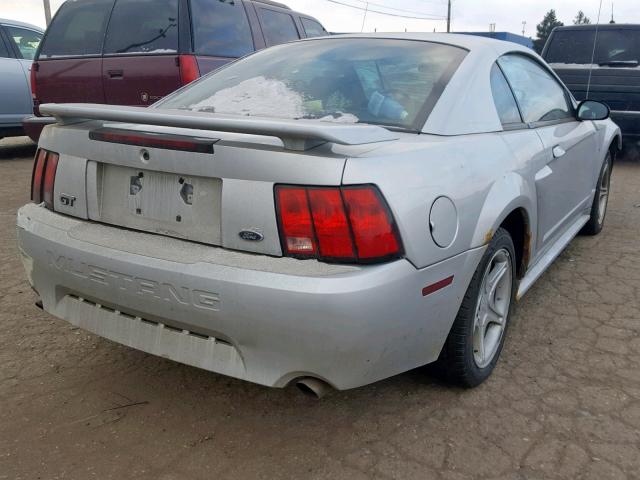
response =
{"points": [[18, 44], [328, 212]]}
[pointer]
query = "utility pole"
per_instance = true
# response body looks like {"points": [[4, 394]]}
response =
{"points": [[524, 26], [364, 18], [47, 11], [449, 16]]}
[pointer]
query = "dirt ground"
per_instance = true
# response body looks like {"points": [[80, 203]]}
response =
{"points": [[563, 403]]}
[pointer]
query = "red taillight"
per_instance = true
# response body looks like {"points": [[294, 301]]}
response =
{"points": [[189, 70], [349, 224], [331, 225], [44, 177], [37, 175], [295, 221], [372, 227], [49, 179]]}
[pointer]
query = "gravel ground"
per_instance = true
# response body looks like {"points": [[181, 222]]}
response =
{"points": [[563, 403]]}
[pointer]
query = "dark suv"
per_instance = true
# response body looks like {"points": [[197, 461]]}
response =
{"points": [[615, 70], [134, 52]]}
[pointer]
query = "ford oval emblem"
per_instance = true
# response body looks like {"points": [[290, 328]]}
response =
{"points": [[251, 236]]}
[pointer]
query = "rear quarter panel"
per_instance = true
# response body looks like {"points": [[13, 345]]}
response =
{"points": [[486, 176]]}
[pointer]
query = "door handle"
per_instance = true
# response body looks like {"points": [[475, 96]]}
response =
{"points": [[115, 73], [558, 151]]}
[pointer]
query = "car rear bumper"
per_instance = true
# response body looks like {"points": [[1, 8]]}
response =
{"points": [[33, 126], [263, 319]]}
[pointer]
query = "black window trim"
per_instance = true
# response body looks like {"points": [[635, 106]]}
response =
{"points": [[12, 45], [4, 42], [567, 94], [186, 42], [278, 10], [521, 125]]}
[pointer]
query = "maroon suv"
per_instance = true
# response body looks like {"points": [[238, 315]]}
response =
{"points": [[134, 52]]}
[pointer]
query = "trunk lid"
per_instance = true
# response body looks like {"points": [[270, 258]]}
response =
{"points": [[212, 198]]}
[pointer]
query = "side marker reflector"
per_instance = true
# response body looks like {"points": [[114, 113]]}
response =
{"points": [[434, 287]]}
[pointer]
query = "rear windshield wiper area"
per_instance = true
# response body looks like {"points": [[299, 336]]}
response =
{"points": [[619, 63]]}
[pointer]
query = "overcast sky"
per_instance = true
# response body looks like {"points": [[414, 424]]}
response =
{"points": [[472, 15]]}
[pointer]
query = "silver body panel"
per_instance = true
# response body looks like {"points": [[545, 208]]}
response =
{"points": [[278, 319], [248, 312]]}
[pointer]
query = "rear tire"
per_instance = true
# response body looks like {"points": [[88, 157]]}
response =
{"points": [[475, 341], [600, 199]]}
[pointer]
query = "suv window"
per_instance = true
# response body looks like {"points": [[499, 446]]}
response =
{"points": [[540, 96], [278, 27], [503, 98], [576, 46], [26, 40], [221, 29], [143, 26], [312, 28], [78, 29]]}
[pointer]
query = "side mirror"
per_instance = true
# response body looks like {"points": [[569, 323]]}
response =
{"points": [[592, 110]]}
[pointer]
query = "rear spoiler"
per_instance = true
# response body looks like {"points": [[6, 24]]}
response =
{"points": [[295, 134]]}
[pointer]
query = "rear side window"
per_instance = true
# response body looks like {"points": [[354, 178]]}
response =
{"points": [[78, 29], [143, 26], [221, 29], [278, 27], [26, 40], [576, 46], [540, 96], [503, 98], [312, 28]]}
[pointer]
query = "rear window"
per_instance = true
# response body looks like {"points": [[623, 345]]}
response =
{"points": [[78, 29], [221, 29], [377, 81], [312, 28], [278, 27], [143, 26], [576, 46]]}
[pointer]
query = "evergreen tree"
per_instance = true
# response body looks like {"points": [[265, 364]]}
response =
{"points": [[581, 19], [544, 28]]}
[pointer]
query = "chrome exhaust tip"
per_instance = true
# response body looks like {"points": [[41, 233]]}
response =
{"points": [[313, 387]]}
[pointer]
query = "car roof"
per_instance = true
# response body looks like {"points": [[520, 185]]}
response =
{"points": [[473, 43], [16, 23], [603, 26]]}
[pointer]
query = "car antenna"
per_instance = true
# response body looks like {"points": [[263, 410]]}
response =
{"points": [[593, 52]]}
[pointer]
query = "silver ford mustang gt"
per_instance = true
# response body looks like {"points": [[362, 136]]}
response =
{"points": [[328, 212]]}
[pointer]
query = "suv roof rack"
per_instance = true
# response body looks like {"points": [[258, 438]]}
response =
{"points": [[273, 4]]}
